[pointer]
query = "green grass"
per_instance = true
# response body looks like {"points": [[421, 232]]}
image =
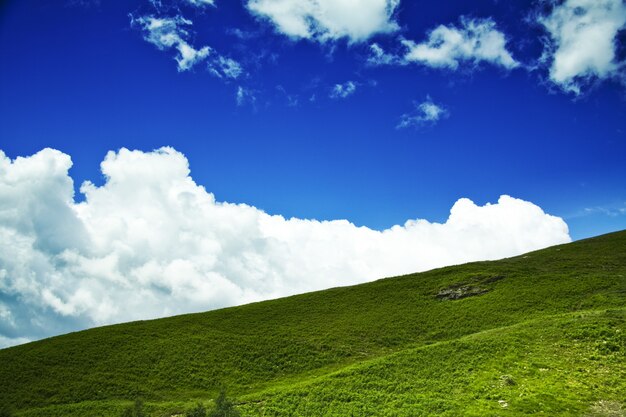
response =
{"points": [[561, 365], [547, 337]]}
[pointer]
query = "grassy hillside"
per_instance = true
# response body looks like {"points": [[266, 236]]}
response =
{"points": [[542, 332]]}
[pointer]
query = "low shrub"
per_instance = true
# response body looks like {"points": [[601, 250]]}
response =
{"points": [[224, 407], [136, 410], [197, 411]]}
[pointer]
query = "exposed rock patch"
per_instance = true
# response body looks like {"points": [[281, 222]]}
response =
{"points": [[460, 292], [470, 288], [489, 280]]}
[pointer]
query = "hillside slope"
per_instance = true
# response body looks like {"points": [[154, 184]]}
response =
{"points": [[440, 342]]}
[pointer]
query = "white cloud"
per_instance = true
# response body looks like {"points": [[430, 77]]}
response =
{"points": [[325, 20], [475, 41], [6, 342], [343, 90], [244, 96], [425, 113], [166, 33], [201, 3], [169, 32], [5, 315], [223, 67], [378, 56], [582, 43], [150, 242]]}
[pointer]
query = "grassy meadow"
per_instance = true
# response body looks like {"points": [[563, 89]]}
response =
{"points": [[538, 334]]}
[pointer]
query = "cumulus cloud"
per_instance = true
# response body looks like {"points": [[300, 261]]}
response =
{"points": [[474, 41], [583, 36], [325, 20], [150, 242], [171, 33], [425, 113], [343, 90]]}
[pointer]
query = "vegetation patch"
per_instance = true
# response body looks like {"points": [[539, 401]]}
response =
{"points": [[542, 333]]}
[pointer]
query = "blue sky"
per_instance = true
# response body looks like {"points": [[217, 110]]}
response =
{"points": [[374, 115], [77, 77]]}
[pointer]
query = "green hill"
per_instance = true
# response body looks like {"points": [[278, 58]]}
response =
{"points": [[541, 333]]}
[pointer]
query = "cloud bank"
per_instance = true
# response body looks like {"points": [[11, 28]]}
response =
{"points": [[582, 45], [327, 20], [150, 242]]}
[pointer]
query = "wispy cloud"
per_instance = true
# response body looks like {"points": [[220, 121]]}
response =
{"points": [[172, 33], [341, 91], [169, 32], [582, 44], [245, 96], [201, 3], [425, 113], [378, 56], [223, 67], [611, 211], [243, 35], [83, 3], [292, 100]]}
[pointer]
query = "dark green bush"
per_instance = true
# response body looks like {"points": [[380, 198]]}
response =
{"points": [[136, 410], [224, 407]]}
